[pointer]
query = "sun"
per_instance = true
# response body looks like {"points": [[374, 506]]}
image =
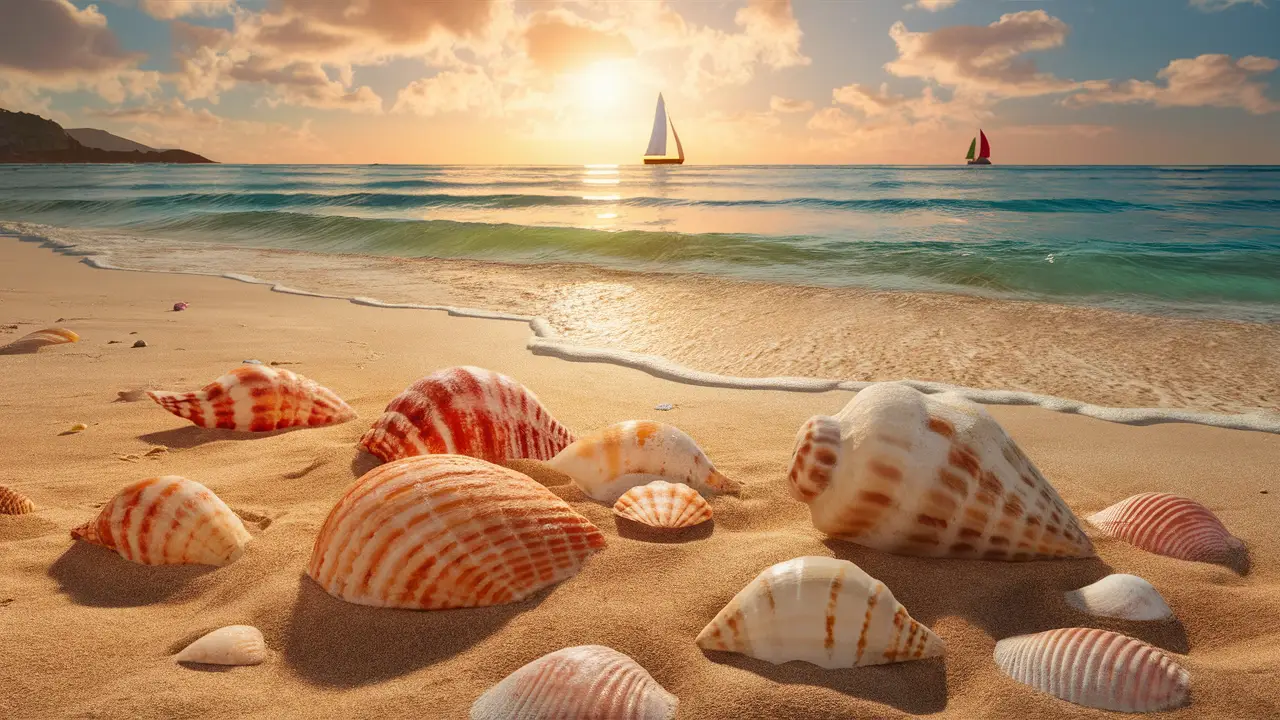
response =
{"points": [[599, 86]]}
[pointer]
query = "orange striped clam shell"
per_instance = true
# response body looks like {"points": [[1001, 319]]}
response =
{"points": [[32, 342], [588, 682], [13, 502], [167, 520], [257, 398], [466, 411], [1096, 668], [1170, 525], [664, 505], [823, 611], [448, 531], [931, 475]]}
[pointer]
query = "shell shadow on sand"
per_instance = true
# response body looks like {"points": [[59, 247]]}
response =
{"points": [[363, 462], [633, 530], [339, 644], [98, 577], [190, 436]]}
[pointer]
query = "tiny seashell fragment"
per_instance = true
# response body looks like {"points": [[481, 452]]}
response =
{"points": [[179, 306], [664, 406], [1127, 597], [588, 682], [1170, 525], [32, 342], [1096, 668], [257, 399], [663, 505], [231, 645], [820, 610], [611, 461], [78, 427], [251, 361], [13, 502]]}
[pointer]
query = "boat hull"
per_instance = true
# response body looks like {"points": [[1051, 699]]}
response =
{"points": [[980, 161], [663, 161]]}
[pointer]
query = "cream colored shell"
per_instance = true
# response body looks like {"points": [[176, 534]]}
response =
{"points": [[231, 645], [1127, 597], [32, 342]]}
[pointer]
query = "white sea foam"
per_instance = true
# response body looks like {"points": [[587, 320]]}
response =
{"points": [[546, 342]]}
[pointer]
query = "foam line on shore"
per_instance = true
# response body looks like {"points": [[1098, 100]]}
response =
{"points": [[545, 342]]}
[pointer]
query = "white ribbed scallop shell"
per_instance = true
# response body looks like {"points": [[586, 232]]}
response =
{"points": [[1096, 668], [664, 505], [588, 682], [1127, 597], [231, 645]]}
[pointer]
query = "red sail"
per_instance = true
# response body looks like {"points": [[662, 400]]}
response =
{"points": [[985, 152]]}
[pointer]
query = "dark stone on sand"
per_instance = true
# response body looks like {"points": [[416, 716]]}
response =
{"points": [[140, 343]]}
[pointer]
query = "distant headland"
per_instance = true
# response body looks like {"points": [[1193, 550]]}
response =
{"points": [[27, 138]]}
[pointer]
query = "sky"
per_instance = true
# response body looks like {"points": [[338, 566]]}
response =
{"points": [[576, 81]]}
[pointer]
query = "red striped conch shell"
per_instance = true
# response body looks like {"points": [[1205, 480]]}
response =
{"points": [[664, 505], [820, 610], [933, 475], [167, 520], [1127, 597], [257, 398], [1170, 525], [447, 531], [231, 645], [609, 462], [588, 682], [1096, 668], [13, 502], [32, 342], [466, 411]]}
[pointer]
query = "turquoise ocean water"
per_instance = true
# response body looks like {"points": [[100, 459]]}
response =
{"points": [[1184, 241]]}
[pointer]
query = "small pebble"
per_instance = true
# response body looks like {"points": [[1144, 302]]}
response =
{"points": [[1264, 492], [663, 406], [78, 427], [179, 306], [135, 332], [251, 362], [140, 343], [113, 342]]}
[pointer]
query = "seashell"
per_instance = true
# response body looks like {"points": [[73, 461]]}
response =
{"points": [[32, 342], [78, 427], [1170, 525], [231, 645], [257, 399], [179, 306], [466, 411], [588, 682], [611, 461], [1127, 597], [447, 531], [1096, 668], [933, 475], [13, 502], [820, 610], [167, 520], [664, 505]]}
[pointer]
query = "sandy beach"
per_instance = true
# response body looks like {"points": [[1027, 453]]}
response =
{"points": [[88, 634]]}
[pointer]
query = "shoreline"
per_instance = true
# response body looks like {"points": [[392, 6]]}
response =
{"points": [[546, 341]]}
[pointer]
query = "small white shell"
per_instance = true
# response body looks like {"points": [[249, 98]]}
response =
{"points": [[1127, 597], [231, 645]]}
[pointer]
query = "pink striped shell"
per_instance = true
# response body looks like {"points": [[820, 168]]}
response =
{"points": [[448, 531], [588, 682], [1170, 525], [167, 520], [257, 398], [664, 505], [466, 410], [1096, 668]]}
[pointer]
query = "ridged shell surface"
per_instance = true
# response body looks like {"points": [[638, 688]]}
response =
{"points": [[1170, 525], [32, 342], [466, 411], [1127, 597], [588, 682], [932, 475], [13, 502], [611, 461], [664, 505], [820, 610], [257, 398], [1096, 668], [231, 645], [447, 531], [167, 520]]}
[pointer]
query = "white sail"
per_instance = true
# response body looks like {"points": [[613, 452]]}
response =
{"points": [[658, 139]]}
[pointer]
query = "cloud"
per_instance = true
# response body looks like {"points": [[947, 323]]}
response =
{"points": [[397, 21], [1207, 80], [557, 41], [450, 91], [769, 37], [787, 105], [170, 9], [931, 5], [1210, 6], [52, 37]]}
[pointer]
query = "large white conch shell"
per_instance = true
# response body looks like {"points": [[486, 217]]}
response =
{"points": [[1127, 597]]}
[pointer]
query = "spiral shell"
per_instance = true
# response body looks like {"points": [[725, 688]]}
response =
{"points": [[32, 342], [1170, 525], [167, 520], [446, 531], [664, 505], [1127, 597], [1096, 668], [257, 398], [231, 645], [13, 502], [588, 682]]}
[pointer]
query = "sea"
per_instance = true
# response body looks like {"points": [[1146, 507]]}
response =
{"points": [[1193, 241]]}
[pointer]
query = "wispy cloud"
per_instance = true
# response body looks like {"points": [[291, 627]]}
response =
{"points": [[1210, 6], [1207, 80]]}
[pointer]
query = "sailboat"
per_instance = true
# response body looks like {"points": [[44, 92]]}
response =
{"points": [[656, 153], [984, 153]]}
